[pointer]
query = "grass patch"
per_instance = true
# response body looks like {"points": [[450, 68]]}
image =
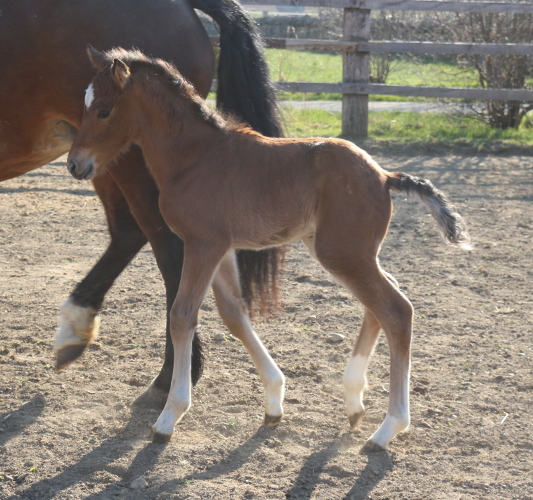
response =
{"points": [[305, 66], [311, 122], [432, 131]]}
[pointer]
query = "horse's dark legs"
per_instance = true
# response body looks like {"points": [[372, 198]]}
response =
{"points": [[79, 320], [130, 198]]}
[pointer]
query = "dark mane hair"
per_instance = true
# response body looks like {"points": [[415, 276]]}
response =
{"points": [[166, 71]]}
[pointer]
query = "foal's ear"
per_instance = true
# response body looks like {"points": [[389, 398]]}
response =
{"points": [[121, 73], [97, 58]]}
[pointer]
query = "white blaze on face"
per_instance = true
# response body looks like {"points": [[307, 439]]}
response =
{"points": [[89, 96]]}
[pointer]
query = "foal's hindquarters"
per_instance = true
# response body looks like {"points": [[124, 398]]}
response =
{"points": [[348, 236]]}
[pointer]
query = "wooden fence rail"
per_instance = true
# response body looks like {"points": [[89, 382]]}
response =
{"points": [[356, 48], [420, 5]]}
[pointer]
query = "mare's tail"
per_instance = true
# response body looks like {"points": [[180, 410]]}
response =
{"points": [[246, 91], [244, 85], [450, 223]]}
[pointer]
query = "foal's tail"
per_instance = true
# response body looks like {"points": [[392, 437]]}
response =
{"points": [[449, 221], [245, 90]]}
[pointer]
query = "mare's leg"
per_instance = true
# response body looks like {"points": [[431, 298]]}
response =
{"points": [[357, 268], [78, 324], [199, 266], [232, 309]]}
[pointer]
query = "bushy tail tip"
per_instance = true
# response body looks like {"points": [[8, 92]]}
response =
{"points": [[451, 224]]}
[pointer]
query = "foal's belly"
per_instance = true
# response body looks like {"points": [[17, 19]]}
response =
{"points": [[281, 236]]}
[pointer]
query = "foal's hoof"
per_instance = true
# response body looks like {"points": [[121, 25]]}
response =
{"points": [[371, 447], [159, 438], [355, 419], [68, 354], [272, 420], [153, 398]]}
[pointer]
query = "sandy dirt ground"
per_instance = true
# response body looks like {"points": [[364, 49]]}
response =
{"points": [[78, 435]]}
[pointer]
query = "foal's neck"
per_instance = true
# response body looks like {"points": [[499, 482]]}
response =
{"points": [[172, 131]]}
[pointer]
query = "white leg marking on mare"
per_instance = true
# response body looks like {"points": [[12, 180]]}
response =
{"points": [[77, 325], [354, 382]]}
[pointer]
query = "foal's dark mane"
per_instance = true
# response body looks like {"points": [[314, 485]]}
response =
{"points": [[167, 72]]}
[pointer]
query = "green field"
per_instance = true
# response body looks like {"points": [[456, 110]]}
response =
{"points": [[392, 128], [304, 66], [402, 128]]}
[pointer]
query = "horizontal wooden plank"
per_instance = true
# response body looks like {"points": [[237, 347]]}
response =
{"points": [[420, 5], [329, 88], [399, 90], [450, 6], [464, 93], [304, 44], [515, 49], [306, 3]]}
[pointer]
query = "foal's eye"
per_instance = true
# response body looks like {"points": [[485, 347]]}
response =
{"points": [[103, 114]]}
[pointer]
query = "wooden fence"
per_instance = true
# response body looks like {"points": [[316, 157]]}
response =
{"points": [[356, 48]]}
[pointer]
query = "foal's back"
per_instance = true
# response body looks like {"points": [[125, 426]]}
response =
{"points": [[267, 191]]}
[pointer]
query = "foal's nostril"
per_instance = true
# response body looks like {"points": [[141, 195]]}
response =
{"points": [[72, 166]]}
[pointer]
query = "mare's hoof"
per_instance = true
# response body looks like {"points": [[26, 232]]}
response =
{"points": [[68, 354], [355, 419], [371, 447], [272, 420], [152, 398], [159, 438]]}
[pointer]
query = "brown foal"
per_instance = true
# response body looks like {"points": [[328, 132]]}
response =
{"points": [[224, 187]]}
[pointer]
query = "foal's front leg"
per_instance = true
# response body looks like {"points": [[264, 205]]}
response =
{"points": [[199, 265], [228, 296]]}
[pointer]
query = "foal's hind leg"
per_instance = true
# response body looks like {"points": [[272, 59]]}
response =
{"points": [[227, 290], [394, 313], [359, 271], [354, 380]]}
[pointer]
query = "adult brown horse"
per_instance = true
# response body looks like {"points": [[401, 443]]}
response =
{"points": [[43, 76], [228, 187]]}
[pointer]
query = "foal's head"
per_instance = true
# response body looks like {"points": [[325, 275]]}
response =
{"points": [[112, 115]]}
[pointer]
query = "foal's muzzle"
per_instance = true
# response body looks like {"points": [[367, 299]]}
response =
{"points": [[79, 171]]}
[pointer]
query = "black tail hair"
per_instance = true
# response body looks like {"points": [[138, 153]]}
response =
{"points": [[246, 91], [450, 223], [245, 88]]}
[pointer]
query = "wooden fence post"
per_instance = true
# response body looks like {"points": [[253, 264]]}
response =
{"points": [[356, 68]]}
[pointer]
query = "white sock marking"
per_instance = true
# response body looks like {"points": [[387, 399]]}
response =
{"points": [[77, 325], [354, 382], [390, 427]]}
